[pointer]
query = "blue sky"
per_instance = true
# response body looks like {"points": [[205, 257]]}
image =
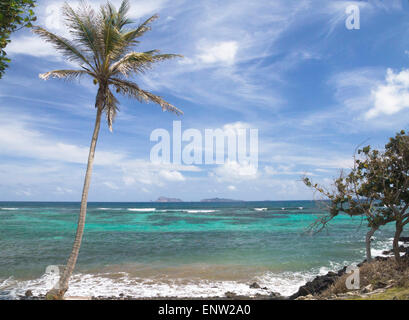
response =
{"points": [[290, 68]]}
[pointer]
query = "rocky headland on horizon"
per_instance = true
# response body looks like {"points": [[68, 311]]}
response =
{"points": [[166, 199]]}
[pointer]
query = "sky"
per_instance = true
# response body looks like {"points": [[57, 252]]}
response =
{"points": [[314, 89]]}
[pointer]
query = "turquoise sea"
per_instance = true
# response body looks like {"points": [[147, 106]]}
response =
{"points": [[176, 249]]}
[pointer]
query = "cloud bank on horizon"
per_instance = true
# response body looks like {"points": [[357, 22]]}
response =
{"points": [[290, 68]]}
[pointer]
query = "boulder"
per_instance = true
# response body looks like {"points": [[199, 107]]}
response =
{"points": [[255, 285], [275, 295], [404, 239], [230, 294], [318, 285], [28, 293]]}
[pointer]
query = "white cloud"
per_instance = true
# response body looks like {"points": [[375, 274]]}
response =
{"points": [[328, 161], [391, 97], [231, 188], [26, 193], [61, 190], [171, 175], [233, 170], [17, 139], [370, 98], [31, 45], [224, 52], [110, 185], [285, 170], [236, 126], [149, 173]]}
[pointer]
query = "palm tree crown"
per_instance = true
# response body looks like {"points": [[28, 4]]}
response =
{"points": [[102, 45]]}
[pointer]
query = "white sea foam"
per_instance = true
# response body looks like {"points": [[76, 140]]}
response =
{"points": [[142, 209], [9, 208], [260, 209], [108, 285], [199, 211]]}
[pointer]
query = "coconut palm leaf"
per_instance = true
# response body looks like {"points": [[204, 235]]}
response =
{"points": [[83, 25], [65, 74], [122, 19], [132, 90], [130, 36], [63, 45], [145, 26], [139, 62], [110, 108]]}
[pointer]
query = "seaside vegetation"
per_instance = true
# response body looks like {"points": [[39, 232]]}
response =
{"points": [[376, 188], [102, 45], [381, 279], [14, 15]]}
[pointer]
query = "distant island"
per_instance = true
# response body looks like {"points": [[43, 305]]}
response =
{"points": [[165, 199], [220, 200]]}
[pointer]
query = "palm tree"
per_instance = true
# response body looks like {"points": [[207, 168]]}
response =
{"points": [[102, 45]]}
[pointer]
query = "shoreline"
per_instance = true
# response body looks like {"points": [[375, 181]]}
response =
{"points": [[309, 291]]}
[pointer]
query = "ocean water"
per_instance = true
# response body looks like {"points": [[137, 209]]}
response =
{"points": [[176, 249]]}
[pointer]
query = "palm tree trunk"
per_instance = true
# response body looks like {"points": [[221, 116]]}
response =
{"points": [[398, 232], [59, 291], [368, 243]]}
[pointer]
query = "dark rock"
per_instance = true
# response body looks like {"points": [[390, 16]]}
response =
{"points": [[230, 294], [28, 293], [342, 271], [318, 285], [404, 239], [401, 249], [381, 258], [275, 295], [121, 295], [255, 285]]}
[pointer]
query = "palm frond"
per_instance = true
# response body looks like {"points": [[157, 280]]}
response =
{"points": [[134, 61], [139, 62], [110, 108], [113, 42], [83, 26], [65, 74], [122, 20], [166, 56], [65, 46], [130, 36], [132, 90], [145, 26]]}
